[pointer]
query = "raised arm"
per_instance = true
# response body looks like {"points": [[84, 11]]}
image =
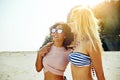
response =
{"points": [[40, 54]]}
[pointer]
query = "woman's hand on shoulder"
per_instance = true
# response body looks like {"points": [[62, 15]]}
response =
{"points": [[45, 49]]}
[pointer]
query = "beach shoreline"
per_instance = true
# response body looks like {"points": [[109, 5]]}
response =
{"points": [[20, 65]]}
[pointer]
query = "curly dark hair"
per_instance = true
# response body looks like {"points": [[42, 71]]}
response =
{"points": [[67, 30]]}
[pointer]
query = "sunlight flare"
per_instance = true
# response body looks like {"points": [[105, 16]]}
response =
{"points": [[90, 3]]}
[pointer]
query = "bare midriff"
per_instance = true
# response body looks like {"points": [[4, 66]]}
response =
{"points": [[81, 72], [50, 76]]}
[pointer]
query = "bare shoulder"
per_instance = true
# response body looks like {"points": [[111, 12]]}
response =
{"points": [[88, 44], [91, 46]]}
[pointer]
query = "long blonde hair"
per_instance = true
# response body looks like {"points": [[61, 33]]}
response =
{"points": [[84, 25]]}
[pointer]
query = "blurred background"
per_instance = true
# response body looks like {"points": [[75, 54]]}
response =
{"points": [[24, 24], [24, 28], [108, 13]]}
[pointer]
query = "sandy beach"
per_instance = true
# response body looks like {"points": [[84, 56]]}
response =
{"points": [[21, 66]]}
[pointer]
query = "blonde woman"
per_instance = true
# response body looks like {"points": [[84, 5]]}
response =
{"points": [[87, 45]]}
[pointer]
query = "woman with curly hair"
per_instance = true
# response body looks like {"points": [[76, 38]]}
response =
{"points": [[53, 57]]}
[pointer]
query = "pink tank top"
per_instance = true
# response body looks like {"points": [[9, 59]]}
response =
{"points": [[56, 60]]}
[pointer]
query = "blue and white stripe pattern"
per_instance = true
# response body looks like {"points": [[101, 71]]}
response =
{"points": [[79, 59]]}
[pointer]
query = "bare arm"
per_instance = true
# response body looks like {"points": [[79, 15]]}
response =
{"points": [[40, 55], [38, 64], [97, 61]]}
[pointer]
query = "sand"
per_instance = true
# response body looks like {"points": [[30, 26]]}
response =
{"points": [[18, 66], [21, 66], [111, 65]]}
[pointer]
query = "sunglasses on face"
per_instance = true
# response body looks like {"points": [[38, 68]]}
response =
{"points": [[53, 30], [59, 31]]}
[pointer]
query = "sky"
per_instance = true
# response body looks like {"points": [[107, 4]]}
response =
{"points": [[24, 24]]}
